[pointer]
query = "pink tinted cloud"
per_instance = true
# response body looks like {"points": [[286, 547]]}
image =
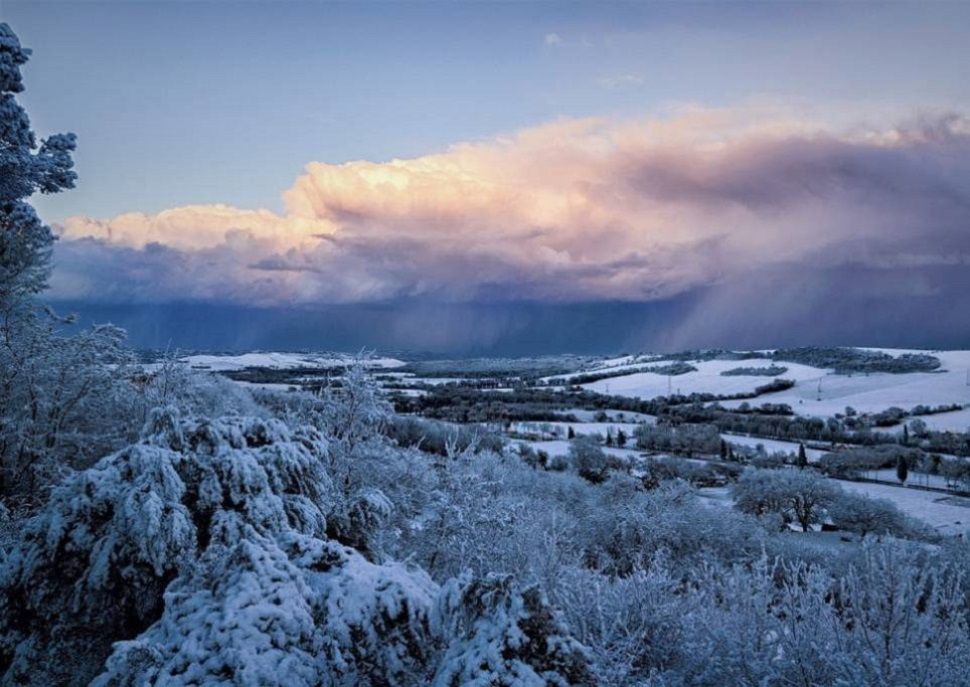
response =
{"points": [[571, 210]]}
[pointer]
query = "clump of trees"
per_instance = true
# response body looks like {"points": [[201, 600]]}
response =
{"points": [[662, 469], [853, 463], [440, 438], [589, 460], [854, 360], [769, 371], [671, 369], [688, 438]]}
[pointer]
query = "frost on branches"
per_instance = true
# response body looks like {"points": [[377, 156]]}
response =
{"points": [[199, 556], [505, 638]]}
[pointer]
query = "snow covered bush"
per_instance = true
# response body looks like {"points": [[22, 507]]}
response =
{"points": [[897, 617], [589, 460], [632, 625], [865, 515], [92, 566], [200, 555], [380, 489], [66, 401], [627, 527], [171, 383], [505, 638], [289, 610]]}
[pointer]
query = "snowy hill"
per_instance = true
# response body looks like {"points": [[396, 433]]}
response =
{"points": [[818, 392]]}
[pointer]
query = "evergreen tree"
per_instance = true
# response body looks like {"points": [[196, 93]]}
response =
{"points": [[802, 457], [902, 469], [26, 167], [570, 433], [905, 435], [620, 438]]}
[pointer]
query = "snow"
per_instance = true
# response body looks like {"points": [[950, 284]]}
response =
{"points": [[560, 447], [954, 421], [283, 361], [819, 392], [915, 478], [878, 391], [716, 496], [561, 429], [271, 386], [706, 379], [773, 445], [947, 514]]}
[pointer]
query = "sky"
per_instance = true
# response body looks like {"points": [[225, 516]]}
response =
{"points": [[458, 176]]}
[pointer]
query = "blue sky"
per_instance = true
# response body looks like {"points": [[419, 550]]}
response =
{"points": [[739, 167], [196, 102]]}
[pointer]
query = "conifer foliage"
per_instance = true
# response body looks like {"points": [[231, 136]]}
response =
{"points": [[199, 556]]}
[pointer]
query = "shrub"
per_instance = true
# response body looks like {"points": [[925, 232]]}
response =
{"points": [[798, 496], [865, 515], [588, 459]]}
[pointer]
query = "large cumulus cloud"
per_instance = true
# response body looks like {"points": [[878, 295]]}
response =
{"points": [[574, 210]]}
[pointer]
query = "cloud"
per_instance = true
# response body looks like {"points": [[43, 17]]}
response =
{"points": [[552, 39], [620, 81], [573, 210]]}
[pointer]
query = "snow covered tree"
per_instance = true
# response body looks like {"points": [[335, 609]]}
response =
{"points": [[200, 555], [26, 167], [92, 566], [58, 393], [505, 638], [68, 402], [865, 515], [588, 459], [795, 495]]}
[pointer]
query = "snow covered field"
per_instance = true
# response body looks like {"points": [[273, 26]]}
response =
{"points": [[621, 416], [819, 392], [706, 379], [560, 447], [948, 514], [878, 391], [773, 445], [560, 429]]}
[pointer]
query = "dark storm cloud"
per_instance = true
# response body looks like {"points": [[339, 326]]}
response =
{"points": [[752, 213]]}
